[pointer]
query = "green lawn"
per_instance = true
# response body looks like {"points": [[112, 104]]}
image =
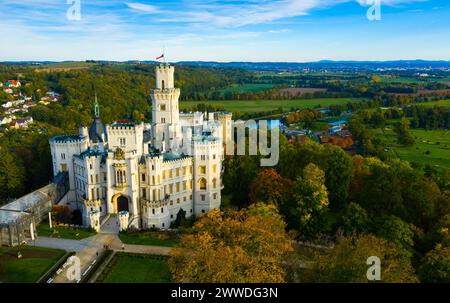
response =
{"points": [[156, 238], [431, 147], [35, 262], [269, 105], [136, 268], [44, 230]]}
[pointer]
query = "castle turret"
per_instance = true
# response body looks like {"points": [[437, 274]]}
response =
{"points": [[165, 111]]}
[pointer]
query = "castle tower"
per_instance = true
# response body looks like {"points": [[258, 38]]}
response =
{"points": [[97, 132], [165, 111]]}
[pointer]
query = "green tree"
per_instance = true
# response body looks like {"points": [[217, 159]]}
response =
{"points": [[12, 175], [435, 266], [404, 137], [347, 262], [308, 206], [355, 219]]}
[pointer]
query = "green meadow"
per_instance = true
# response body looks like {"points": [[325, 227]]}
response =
{"points": [[431, 147], [443, 103], [249, 106]]}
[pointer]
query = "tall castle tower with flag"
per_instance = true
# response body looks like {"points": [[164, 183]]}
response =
{"points": [[145, 174]]}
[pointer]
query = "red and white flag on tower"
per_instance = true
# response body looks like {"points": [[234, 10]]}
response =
{"points": [[160, 57]]}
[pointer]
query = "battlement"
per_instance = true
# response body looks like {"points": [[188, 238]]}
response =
{"points": [[67, 139]]}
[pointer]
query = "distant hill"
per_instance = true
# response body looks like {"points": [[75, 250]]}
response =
{"points": [[279, 66]]}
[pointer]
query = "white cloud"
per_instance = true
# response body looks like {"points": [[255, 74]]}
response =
{"points": [[143, 8]]}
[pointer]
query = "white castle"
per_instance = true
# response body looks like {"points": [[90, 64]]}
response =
{"points": [[145, 173]]}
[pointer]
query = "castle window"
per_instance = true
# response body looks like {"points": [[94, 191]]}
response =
{"points": [[163, 225], [164, 175], [63, 167], [153, 212], [184, 199], [163, 84], [162, 210], [123, 141], [63, 156], [170, 188], [163, 107], [177, 172], [202, 169], [163, 120], [214, 156], [96, 178], [170, 174], [171, 216], [191, 210], [215, 196], [214, 183], [101, 209], [214, 168], [90, 166], [143, 177], [203, 197], [178, 201], [144, 193], [178, 187], [203, 211], [184, 185], [104, 176], [184, 171], [92, 179], [202, 183]]}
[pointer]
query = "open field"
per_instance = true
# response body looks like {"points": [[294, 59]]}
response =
{"points": [[35, 262], [444, 103], [268, 105], [431, 147], [157, 238], [410, 80], [44, 230], [244, 88], [136, 268]]}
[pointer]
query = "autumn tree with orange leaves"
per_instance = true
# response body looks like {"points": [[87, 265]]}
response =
{"points": [[233, 247], [269, 187]]}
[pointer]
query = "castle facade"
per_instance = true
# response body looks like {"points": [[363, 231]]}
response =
{"points": [[145, 173]]}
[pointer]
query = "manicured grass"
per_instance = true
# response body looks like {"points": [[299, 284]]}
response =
{"points": [[156, 238], [136, 268], [44, 230], [35, 262], [269, 105], [431, 147]]}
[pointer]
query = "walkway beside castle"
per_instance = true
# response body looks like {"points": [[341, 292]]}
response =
{"points": [[89, 249]]}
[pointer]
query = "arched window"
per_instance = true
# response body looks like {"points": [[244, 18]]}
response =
{"points": [[202, 183]]}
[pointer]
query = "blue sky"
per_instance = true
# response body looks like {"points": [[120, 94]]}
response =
{"points": [[227, 30]]}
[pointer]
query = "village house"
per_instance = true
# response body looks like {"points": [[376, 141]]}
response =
{"points": [[13, 83]]}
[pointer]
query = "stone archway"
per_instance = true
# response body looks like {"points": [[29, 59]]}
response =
{"points": [[121, 203]]}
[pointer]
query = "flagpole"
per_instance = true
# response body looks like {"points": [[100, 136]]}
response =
{"points": [[164, 54]]}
